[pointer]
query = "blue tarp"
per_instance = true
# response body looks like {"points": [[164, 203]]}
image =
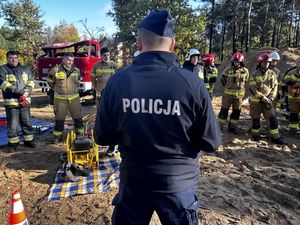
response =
{"points": [[40, 128]]}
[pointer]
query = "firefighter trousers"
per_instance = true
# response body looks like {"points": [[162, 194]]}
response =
{"points": [[227, 102], [18, 116], [268, 111], [61, 108], [294, 115]]}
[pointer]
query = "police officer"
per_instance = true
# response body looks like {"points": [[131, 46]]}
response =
{"points": [[64, 79], [192, 63], [234, 81], [292, 80], [263, 89], [16, 82], [100, 74], [160, 129], [210, 72]]}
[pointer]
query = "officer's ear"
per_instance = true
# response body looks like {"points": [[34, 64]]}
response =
{"points": [[172, 45], [139, 43]]}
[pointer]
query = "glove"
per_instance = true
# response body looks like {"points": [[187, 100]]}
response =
{"points": [[23, 102], [266, 100]]}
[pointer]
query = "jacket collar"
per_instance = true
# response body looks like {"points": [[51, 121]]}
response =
{"points": [[157, 58]]}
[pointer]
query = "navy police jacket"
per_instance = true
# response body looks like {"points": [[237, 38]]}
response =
{"points": [[161, 116]]}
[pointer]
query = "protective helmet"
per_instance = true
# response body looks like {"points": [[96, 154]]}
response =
{"points": [[275, 56], [237, 57], [191, 53], [264, 57], [208, 59]]}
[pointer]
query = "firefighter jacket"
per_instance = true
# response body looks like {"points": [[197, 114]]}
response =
{"points": [[234, 81], [14, 81], [263, 84], [100, 74], [210, 75], [160, 128], [278, 74], [292, 80], [64, 82]]}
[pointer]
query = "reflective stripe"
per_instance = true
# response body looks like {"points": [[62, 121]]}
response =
{"points": [[30, 84], [252, 83], [5, 84], [234, 92], [11, 77], [57, 133], [292, 97], [255, 131], [105, 70], [24, 77], [66, 97], [79, 130], [60, 75], [28, 137], [13, 140], [11, 102], [257, 95], [233, 121], [293, 125], [274, 132], [223, 121], [254, 100], [49, 80]]}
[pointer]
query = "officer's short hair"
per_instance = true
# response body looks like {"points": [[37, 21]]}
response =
{"points": [[11, 52], [68, 54], [149, 38]]}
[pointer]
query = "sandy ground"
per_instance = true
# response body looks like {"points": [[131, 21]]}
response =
{"points": [[244, 182]]}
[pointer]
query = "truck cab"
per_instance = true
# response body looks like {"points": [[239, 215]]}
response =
{"points": [[86, 54]]}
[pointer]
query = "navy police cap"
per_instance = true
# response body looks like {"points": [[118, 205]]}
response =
{"points": [[159, 22]]}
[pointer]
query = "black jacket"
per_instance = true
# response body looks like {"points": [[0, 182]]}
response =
{"points": [[161, 116]]}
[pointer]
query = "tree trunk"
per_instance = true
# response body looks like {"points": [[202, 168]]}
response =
{"points": [[280, 23], [297, 30], [234, 36], [291, 24], [211, 25], [244, 26], [248, 26], [265, 27]]}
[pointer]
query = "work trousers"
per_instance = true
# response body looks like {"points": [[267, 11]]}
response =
{"points": [[294, 115], [16, 117], [61, 108]]}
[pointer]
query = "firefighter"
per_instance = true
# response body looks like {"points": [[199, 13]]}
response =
{"points": [[273, 66], [16, 82], [263, 90], [292, 80], [234, 81], [101, 72], [192, 63], [210, 72], [64, 80]]}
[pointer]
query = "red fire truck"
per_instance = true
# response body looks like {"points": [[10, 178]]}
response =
{"points": [[86, 54]]}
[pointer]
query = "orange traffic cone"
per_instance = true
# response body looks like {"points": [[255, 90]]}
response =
{"points": [[17, 214]]}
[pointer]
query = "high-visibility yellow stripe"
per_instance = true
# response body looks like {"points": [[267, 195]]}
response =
{"points": [[252, 83], [234, 92], [5, 85], [292, 97], [49, 80], [80, 130], [293, 125], [13, 140], [274, 132], [233, 121], [11, 102], [66, 97], [28, 137], [104, 70], [30, 84], [60, 75], [255, 131], [11, 77], [57, 133], [222, 121]]}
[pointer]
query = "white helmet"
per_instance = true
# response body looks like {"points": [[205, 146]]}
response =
{"points": [[192, 52], [274, 56]]}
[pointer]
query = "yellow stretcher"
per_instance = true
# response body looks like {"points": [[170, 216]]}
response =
{"points": [[82, 152]]}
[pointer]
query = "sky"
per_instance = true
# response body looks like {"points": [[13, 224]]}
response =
{"points": [[95, 11]]}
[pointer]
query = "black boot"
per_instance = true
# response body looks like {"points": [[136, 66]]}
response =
{"points": [[30, 144], [12, 146], [277, 141]]}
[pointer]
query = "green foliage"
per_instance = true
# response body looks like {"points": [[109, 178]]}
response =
{"points": [[25, 27], [189, 23], [65, 32]]}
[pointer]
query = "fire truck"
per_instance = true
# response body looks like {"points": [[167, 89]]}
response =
{"points": [[86, 54]]}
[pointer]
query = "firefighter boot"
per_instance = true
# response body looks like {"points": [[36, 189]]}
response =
{"points": [[277, 141], [30, 144]]}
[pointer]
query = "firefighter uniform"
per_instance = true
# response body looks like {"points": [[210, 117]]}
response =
{"points": [[101, 72], [66, 98], [14, 81], [263, 84], [210, 78], [234, 82], [292, 80]]}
